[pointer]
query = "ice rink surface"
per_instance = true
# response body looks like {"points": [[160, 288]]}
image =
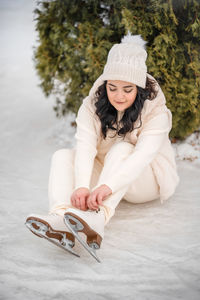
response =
{"points": [[150, 251]]}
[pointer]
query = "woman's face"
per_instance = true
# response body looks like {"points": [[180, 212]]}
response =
{"points": [[121, 94]]}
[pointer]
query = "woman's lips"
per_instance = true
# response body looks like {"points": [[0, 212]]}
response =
{"points": [[119, 102]]}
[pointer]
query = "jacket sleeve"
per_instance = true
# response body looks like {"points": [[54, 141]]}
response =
{"points": [[86, 142], [148, 144]]}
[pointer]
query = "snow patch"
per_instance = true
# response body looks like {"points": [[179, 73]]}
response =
{"points": [[189, 149]]}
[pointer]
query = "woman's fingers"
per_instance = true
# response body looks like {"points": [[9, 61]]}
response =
{"points": [[83, 200], [79, 196], [96, 198], [77, 203], [82, 203], [92, 204], [100, 199]]}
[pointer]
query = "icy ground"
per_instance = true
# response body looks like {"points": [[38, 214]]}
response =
{"points": [[150, 251]]}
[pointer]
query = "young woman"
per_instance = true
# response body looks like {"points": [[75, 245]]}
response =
{"points": [[122, 151]]}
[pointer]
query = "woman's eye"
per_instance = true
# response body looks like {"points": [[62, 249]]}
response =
{"points": [[124, 91]]}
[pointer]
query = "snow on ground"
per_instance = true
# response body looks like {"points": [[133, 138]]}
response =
{"points": [[189, 149], [150, 251]]}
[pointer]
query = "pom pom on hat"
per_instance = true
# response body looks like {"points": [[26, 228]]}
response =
{"points": [[134, 39]]}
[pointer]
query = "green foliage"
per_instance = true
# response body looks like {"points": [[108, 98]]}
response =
{"points": [[75, 37]]}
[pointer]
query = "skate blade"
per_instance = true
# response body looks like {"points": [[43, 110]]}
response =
{"points": [[45, 227], [79, 226], [68, 249]]}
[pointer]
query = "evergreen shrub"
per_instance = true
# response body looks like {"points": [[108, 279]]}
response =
{"points": [[74, 38]]}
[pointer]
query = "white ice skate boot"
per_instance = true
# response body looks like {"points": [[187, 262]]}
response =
{"points": [[91, 223], [52, 228]]}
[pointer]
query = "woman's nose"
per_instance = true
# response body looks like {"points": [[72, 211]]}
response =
{"points": [[120, 95]]}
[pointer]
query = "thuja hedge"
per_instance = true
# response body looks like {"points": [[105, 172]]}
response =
{"points": [[74, 37]]}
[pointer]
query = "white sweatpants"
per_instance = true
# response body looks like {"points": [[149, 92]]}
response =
{"points": [[61, 180]]}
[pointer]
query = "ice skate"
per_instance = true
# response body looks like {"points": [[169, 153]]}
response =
{"points": [[91, 223], [52, 228]]}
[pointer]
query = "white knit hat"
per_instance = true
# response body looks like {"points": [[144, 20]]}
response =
{"points": [[125, 61]]}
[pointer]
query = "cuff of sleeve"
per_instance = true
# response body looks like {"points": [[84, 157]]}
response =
{"points": [[98, 185], [81, 186]]}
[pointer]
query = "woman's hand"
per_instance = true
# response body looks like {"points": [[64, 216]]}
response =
{"points": [[79, 198], [97, 197]]}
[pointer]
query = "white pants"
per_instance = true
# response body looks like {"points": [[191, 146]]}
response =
{"points": [[61, 180]]}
